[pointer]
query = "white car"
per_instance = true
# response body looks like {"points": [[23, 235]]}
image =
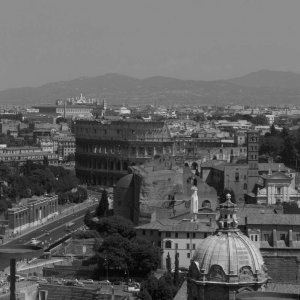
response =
{"points": [[87, 281], [34, 242]]}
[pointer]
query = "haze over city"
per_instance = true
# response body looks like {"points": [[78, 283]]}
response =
{"points": [[44, 41]]}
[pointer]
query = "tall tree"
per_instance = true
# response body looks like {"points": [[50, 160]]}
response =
{"points": [[88, 219], [102, 208], [176, 272], [168, 263]]}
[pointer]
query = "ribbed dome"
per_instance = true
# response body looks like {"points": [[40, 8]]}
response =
{"points": [[233, 252], [228, 255]]}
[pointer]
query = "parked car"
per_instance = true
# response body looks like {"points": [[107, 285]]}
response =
{"points": [[33, 278], [87, 281], [42, 280], [105, 282], [57, 280], [132, 287]]}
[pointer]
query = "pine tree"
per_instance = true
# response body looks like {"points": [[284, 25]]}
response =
{"points": [[88, 219], [176, 272], [102, 208], [168, 263]]}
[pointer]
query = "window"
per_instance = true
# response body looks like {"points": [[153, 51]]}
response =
{"points": [[245, 186], [176, 235], [168, 234], [151, 232], [194, 246], [188, 255], [188, 235], [267, 237], [254, 237], [194, 235], [187, 246], [278, 190], [282, 236], [237, 176], [144, 232], [298, 237], [176, 246], [168, 244], [43, 295]]}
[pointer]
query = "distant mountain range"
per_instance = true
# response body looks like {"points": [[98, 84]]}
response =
{"points": [[262, 87]]}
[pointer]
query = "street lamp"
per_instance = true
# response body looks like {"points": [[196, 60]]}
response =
{"points": [[106, 264]]}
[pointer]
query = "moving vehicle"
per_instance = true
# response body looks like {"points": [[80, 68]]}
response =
{"points": [[70, 226], [35, 242]]}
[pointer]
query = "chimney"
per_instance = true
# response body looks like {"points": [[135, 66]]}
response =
{"points": [[290, 238]]}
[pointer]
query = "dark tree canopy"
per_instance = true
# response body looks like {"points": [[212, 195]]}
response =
{"points": [[168, 263], [176, 271], [102, 208], [115, 225]]}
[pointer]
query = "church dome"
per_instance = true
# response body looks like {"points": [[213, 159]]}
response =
{"points": [[228, 255]]}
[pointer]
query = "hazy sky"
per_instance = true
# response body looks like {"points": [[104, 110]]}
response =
{"points": [[52, 40]]}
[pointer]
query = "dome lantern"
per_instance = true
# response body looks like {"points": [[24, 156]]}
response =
{"points": [[227, 220]]}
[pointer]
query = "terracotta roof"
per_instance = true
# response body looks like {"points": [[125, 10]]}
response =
{"points": [[273, 219], [179, 226]]}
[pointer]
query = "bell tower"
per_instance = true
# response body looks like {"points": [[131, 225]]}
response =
{"points": [[252, 159]]}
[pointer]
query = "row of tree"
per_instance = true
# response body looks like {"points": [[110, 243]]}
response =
{"points": [[282, 146], [36, 179]]}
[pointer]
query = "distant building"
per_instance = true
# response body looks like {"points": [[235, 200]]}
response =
{"points": [[178, 236], [105, 149], [20, 155], [277, 187], [33, 213], [64, 145]]}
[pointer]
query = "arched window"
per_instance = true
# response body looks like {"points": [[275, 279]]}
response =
{"points": [[168, 244], [206, 203]]}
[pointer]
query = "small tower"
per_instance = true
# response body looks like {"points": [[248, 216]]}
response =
{"points": [[252, 159], [227, 219]]}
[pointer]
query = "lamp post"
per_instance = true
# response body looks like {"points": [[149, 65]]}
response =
{"points": [[106, 264]]}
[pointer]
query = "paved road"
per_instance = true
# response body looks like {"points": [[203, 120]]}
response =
{"points": [[56, 229]]}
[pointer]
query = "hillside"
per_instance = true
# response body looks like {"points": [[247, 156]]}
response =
{"points": [[267, 78], [262, 87]]}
